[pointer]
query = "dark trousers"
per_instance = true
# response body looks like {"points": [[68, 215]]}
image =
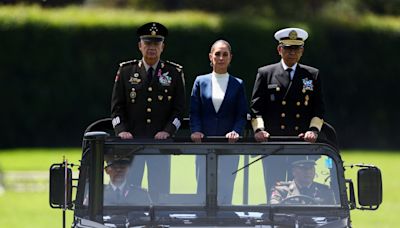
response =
{"points": [[158, 174]]}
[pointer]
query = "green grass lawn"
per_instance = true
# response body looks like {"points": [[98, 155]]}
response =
{"points": [[31, 209]]}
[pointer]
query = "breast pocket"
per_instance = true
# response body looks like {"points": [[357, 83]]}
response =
{"points": [[274, 92], [165, 94]]}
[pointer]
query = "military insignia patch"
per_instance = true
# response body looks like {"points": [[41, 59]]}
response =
{"points": [[308, 84], [134, 80]]}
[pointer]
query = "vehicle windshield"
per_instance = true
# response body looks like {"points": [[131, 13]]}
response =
{"points": [[236, 175]]}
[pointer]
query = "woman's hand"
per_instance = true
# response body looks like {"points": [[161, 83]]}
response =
{"points": [[232, 136], [197, 136]]}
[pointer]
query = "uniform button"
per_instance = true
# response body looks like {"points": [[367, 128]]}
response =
{"points": [[148, 109], [133, 100], [148, 120], [305, 103], [298, 103], [166, 91], [149, 99], [282, 127], [278, 89], [297, 115], [150, 89], [283, 102], [283, 115], [296, 128]]}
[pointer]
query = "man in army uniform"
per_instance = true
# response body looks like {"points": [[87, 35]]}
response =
{"points": [[119, 191], [287, 98], [148, 102], [303, 189]]}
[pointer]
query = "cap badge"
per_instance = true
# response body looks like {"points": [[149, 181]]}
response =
{"points": [[308, 84], [293, 35], [153, 30]]}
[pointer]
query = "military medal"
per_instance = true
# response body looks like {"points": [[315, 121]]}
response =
{"points": [[133, 94], [308, 84], [164, 79], [169, 98], [160, 97]]}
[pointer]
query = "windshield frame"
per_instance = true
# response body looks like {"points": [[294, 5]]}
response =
{"points": [[208, 149]]}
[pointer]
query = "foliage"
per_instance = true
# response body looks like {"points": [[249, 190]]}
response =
{"points": [[58, 66]]}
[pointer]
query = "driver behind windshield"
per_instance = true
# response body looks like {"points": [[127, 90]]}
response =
{"points": [[302, 189], [118, 190]]}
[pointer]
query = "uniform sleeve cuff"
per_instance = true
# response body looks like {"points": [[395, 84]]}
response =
{"points": [[257, 124], [317, 123]]}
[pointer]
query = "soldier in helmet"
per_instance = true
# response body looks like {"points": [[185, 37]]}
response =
{"points": [[287, 98], [148, 101], [302, 189]]}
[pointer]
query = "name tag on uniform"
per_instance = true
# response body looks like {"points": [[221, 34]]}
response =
{"points": [[272, 86]]}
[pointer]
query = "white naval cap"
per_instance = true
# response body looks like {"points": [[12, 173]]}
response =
{"points": [[291, 36]]}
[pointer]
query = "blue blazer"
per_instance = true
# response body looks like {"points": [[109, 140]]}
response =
{"points": [[231, 116]]}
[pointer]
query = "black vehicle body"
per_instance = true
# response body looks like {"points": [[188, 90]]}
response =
{"points": [[249, 207]]}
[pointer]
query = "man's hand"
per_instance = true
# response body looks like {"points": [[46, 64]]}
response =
{"points": [[162, 135], [309, 136], [232, 136], [261, 136], [197, 136], [125, 135]]}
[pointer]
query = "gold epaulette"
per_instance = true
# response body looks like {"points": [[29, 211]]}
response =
{"points": [[135, 61]]}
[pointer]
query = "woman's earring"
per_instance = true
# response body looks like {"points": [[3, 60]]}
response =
{"points": [[211, 64]]}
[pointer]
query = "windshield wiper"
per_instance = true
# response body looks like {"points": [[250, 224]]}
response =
{"points": [[258, 159]]}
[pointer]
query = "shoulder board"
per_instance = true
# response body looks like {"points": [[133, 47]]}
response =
{"points": [[174, 64], [130, 62]]}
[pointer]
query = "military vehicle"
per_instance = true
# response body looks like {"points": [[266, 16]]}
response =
{"points": [[203, 197]]}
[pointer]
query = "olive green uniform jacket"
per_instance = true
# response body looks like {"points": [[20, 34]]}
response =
{"points": [[144, 107]]}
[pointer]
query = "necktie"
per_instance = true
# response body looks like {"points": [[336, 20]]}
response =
{"points": [[117, 194], [150, 74], [288, 70]]}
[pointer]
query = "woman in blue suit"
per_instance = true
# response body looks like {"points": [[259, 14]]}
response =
{"points": [[218, 108]]}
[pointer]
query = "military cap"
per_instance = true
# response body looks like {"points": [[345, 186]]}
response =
{"points": [[152, 31], [118, 161], [304, 163], [291, 36]]}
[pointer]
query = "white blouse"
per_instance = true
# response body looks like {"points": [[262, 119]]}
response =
{"points": [[219, 83]]}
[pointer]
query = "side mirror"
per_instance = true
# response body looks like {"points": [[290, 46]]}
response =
{"points": [[369, 188], [60, 186]]}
